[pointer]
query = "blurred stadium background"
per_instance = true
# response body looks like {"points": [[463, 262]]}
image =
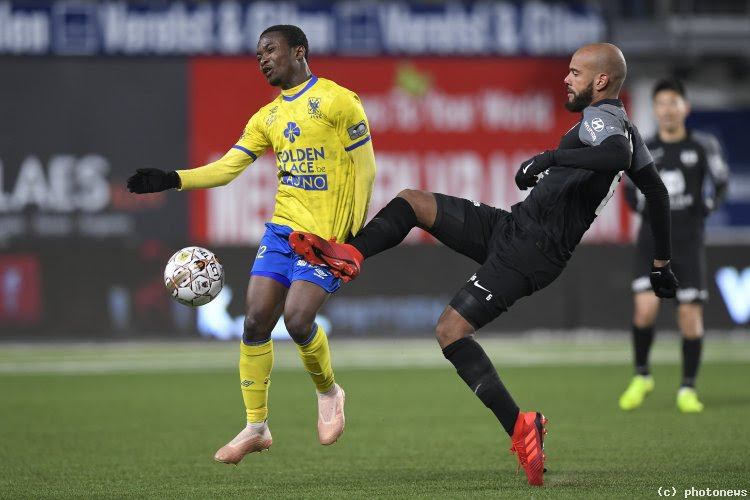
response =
{"points": [[457, 95]]}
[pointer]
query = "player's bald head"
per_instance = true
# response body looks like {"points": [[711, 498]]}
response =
{"points": [[604, 58]]}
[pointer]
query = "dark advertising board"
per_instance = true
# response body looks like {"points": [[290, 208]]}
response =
{"points": [[71, 132]]}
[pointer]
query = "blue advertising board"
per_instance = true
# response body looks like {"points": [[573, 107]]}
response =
{"points": [[333, 28]]}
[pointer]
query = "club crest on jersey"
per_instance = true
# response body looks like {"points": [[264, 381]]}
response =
{"points": [[291, 131], [313, 107], [689, 157]]}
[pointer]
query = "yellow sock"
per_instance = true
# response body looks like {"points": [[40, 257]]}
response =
{"points": [[316, 357], [256, 362]]}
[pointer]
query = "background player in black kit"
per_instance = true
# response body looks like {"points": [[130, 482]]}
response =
{"points": [[523, 250], [683, 158]]}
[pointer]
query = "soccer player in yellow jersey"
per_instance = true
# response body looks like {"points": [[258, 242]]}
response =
{"points": [[320, 137]]}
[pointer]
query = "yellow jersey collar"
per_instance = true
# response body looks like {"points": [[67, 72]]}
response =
{"points": [[294, 92]]}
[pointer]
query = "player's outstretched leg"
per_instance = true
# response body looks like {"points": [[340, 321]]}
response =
{"points": [[386, 230], [256, 436], [528, 444]]}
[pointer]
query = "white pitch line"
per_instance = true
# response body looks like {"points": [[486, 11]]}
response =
{"points": [[355, 354]]}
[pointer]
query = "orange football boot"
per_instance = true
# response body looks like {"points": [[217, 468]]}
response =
{"points": [[528, 443], [341, 259]]}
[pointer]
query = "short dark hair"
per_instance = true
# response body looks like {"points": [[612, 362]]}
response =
{"points": [[293, 34], [672, 84]]}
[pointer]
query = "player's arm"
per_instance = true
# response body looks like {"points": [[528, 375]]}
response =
{"points": [[718, 170], [648, 181], [218, 173], [252, 144], [363, 159], [354, 132], [610, 149], [634, 199], [611, 155]]}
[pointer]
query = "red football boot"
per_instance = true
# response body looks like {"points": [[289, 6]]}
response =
{"points": [[528, 443], [343, 260]]}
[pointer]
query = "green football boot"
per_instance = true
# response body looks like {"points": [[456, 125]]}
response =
{"points": [[687, 400], [636, 392]]}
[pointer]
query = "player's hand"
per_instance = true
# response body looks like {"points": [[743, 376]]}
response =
{"points": [[707, 207], [152, 180], [663, 281], [526, 176]]}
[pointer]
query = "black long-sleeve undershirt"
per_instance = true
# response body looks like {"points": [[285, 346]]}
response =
{"points": [[612, 155], [647, 180]]}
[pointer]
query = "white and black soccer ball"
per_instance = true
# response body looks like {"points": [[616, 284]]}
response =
{"points": [[194, 276]]}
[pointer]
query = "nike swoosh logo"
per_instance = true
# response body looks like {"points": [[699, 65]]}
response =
{"points": [[477, 389], [476, 284], [527, 166]]}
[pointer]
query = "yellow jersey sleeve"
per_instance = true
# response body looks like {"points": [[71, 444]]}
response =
{"points": [[254, 141], [349, 120], [252, 144], [363, 159]]}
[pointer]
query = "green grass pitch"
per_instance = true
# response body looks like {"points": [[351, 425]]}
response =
{"points": [[107, 422]]}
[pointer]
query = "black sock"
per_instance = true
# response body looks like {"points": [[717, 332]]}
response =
{"points": [[387, 229], [475, 368], [642, 340], [691, 358]]}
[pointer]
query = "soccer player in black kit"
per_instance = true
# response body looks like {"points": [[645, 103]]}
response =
{"points": [[523, 250], [683, 158]]}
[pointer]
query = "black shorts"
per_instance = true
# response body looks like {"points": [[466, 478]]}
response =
{"points": [[688, 264], [512, 262]]}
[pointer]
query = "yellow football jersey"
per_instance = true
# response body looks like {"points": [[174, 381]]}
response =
{"points": [[313, 130]]}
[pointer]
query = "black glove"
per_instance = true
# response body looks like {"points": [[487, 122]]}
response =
{"points": [[664, 282], [527, 172], [152, 180]]}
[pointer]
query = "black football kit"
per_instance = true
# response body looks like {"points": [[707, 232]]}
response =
{"points": [[683, 167], [524, 250]]}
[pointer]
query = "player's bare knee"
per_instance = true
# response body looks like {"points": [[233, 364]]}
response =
{"points": [[451, 327], [256, 328], [690, 320], [446, 335], [299, 326], [643, 319], [423, 203], [646, 309]]}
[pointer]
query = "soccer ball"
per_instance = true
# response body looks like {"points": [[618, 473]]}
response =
{"points": [[194, 276]]}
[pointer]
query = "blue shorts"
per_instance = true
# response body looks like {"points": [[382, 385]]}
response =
{"points": [[277, 260]]}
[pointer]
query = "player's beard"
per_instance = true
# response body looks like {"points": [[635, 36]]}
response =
{"points": [[581, 100]]}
